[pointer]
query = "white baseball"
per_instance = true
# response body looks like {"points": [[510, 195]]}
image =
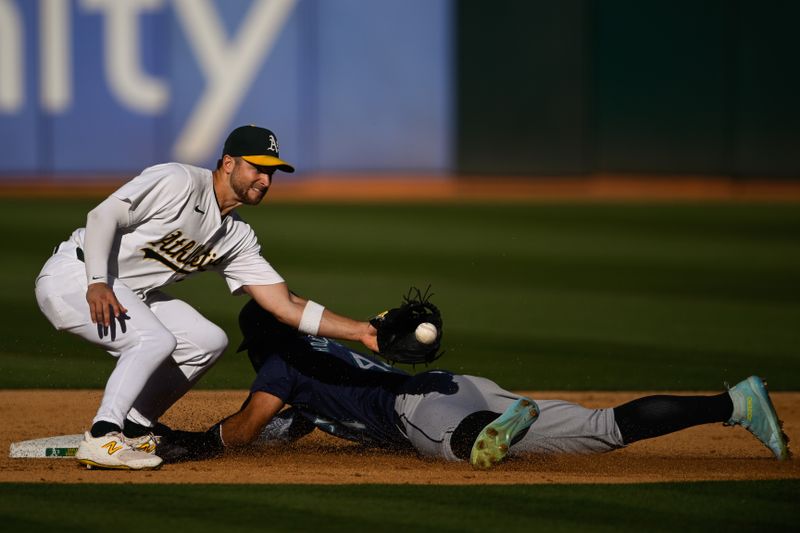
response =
{"points": [[426, 333]]}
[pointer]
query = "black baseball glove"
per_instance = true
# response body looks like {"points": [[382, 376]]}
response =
{"points": [[175, 446], [397, 330]]}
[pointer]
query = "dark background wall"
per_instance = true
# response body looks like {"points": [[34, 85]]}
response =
{"points": [[529, 87], [580, 86]]}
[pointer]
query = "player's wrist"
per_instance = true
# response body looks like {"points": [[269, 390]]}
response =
{"points": [[369, 336], [311, 318]]}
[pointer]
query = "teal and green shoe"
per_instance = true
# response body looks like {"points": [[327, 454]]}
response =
{"points": [[493, 441], [753, 410]]}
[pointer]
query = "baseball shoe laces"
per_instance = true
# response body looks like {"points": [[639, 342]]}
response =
{"points": [[146, 443]]}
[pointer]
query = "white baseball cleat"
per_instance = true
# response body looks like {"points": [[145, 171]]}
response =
{"points": [[145, 443], [111, 451]]}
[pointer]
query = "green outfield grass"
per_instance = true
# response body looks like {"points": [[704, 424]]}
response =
{"points": [[535, 296], [743, 506], [543, 296]]}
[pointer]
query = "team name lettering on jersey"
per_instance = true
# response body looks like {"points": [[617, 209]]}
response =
{"points": [[321, 344], [181, 254], [365, 363]]}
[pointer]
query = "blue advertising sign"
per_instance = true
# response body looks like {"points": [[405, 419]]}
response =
{"points": [[94, 87]]}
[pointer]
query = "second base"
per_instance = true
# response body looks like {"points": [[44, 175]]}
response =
{"points": [[62, 446]]}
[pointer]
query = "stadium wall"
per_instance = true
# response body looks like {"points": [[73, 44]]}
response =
{"points": [[96, 88], [619, 86]]}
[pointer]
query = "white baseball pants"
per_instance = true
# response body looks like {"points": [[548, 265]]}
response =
{"points": [[162, 348]]}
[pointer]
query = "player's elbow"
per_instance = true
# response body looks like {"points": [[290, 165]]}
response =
{"points": [[234, 434], [286, 307], [111, 211], [95, 217], [289, 314], [245, 426]]}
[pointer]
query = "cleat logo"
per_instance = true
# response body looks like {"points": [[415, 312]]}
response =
{"points": [[749, 408], [112, 447], [147, 447]]}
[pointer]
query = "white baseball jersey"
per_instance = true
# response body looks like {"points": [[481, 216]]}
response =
{"points": [[179, 231]]}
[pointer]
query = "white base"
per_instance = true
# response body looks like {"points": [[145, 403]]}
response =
{"points": [[60, 447]]}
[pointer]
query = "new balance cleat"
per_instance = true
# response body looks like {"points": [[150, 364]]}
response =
{"points": [[493, 441], [753, 410], [111, 451]]}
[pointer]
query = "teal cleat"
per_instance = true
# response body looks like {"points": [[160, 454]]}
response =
{"points": [[493, 441], [753, 410]]}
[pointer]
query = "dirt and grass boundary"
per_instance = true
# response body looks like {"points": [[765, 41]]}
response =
{"points": [[364, 188]]}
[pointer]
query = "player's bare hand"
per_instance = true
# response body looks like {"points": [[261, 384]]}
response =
{"points": [[103, 304], [370, 338]]}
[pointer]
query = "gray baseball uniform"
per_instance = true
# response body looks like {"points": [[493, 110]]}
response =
{"points": [[430, 419], [357, 397]]}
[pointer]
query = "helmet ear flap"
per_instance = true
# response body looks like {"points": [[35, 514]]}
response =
{"points": [[251, 318]]}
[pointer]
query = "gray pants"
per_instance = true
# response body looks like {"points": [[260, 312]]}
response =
{"points": [[563, 427]]}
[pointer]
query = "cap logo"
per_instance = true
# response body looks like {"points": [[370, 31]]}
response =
{"points": [[273, 144]]}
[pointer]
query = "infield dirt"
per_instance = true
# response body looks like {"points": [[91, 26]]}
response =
{"points": [[710, 452]]}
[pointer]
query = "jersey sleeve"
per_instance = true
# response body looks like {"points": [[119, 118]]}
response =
{"points": [[156, 192], [102, 224], [245, 265], [276, 377]]}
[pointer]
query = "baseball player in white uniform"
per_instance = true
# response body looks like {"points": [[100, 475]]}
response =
{"points": [[170, 222]]}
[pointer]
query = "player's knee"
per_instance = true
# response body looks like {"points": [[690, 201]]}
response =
{"points": [[149, 347], [206, 347], [159, 343], [214, 342]]}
